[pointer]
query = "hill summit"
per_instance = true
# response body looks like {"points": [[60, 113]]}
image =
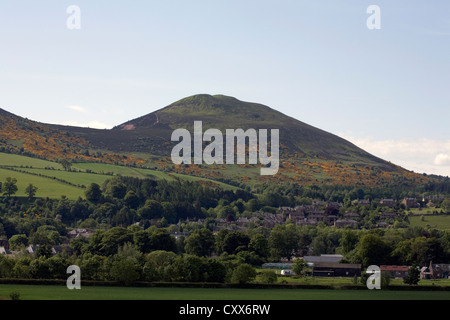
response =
{"points": [[224, 112]]}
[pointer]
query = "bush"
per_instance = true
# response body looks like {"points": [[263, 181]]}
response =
{"points": [[385, 279], [243, 273], [124, 271], [268, 276], [14, 295], [413, 276]]}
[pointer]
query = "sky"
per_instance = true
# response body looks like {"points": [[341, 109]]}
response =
{"points": [[387, 90]]}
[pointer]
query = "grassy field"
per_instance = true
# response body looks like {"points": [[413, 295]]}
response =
{"points": [[7, 159], [46, 187], [339, 281], [419, 212], [49, 176], [30, 292], [440, 222], [103, 168], [192, 178], [77, 178]]}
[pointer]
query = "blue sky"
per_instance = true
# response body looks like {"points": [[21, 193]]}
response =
{"points": [[386, 90]]}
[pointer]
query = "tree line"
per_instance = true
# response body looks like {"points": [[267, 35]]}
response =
{"points": [[154, 254], [142, 227], [9, 188]]}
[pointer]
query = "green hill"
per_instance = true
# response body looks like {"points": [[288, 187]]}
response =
{"points": [[223, 112], [308, 155]]}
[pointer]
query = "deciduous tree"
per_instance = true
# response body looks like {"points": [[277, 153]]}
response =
{"points": [[243, 273], [93, 192], [200, 243], [30, 190], [413, 275], [9, 187], [66, 164], [299, 266]]}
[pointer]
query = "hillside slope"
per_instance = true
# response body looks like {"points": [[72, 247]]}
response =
{"points": [[24, 136]]}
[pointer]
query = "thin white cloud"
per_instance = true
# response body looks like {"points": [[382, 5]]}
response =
{"points": [[77, 109], [431, 156], [442, 160], [92, 124], [98, 125]]}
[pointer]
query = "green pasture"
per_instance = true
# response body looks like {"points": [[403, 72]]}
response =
{"points": [[109, 169], [46, 187], [193, 178], [141, 173], [441, 222], [14, 160], [421, 211], [45, 175], [77, 178], [58, 292], [343, 281]]}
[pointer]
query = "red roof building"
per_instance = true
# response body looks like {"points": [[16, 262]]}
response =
{"points": [[396, 272]]}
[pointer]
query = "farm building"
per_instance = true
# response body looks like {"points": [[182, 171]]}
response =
{"points": [[396, 272], [277, 265], [333, 258], [441, 271], [435, 271], [332, 269]]}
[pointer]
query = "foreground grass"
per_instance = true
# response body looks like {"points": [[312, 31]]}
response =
{"points": [[33, 292]]}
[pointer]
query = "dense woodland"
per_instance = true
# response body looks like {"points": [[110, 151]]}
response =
{"points": [[149, 230]]}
